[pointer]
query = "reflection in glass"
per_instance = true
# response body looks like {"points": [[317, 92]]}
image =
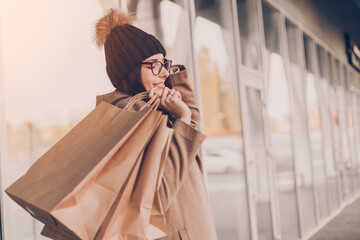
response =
{"points": [[334, 83], [223, 149], [331, 171], [345, 172], [349, 128], [301, 146], [352, 133], [315, 128], [280, 125], [249, 33], [258, 165]]}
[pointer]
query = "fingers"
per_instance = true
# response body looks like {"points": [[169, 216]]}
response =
{"points": [[172, 91], [164, 95], [173, 94], [156, 91], [152, 92], [170, 101], [177, 94]]}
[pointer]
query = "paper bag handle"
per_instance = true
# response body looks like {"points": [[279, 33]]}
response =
{"points": [[154, 101]]}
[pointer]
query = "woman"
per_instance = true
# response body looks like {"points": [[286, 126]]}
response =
{"points": [[135, 62]]}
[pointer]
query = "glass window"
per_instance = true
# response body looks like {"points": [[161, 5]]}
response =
{"points": [[280, 124], [331, 171], [336, 125], [351, 103], [248, 19], [301, 147], [348, 130], [315, 127], [258, 164], [344, 144], [169, 22], [223, 149]]}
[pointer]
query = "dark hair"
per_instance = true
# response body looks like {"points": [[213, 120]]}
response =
{"points": [[132, 84]]}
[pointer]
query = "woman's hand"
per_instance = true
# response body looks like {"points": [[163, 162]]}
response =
{"points": [[170, 101]]}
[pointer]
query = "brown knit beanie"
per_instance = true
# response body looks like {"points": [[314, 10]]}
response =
{"points": [[126, 46]]}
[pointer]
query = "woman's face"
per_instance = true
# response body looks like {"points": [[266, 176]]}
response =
{"points": [[150, 80]]}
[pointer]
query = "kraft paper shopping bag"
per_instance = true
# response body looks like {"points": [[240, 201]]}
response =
{"points": [[48, 184], [137, 213]]}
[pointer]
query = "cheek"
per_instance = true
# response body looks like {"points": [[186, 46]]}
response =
{"points": [[146, 79]]}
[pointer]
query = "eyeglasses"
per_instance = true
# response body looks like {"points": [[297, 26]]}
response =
{"points": [[156, 66]]}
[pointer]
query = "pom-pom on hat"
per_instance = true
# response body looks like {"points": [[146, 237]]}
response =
{"points": [[126, 46]]}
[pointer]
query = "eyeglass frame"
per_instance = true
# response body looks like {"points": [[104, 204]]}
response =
{"points": [[162, 65]]}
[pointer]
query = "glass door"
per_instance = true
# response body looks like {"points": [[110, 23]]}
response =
{"points": [[223, 149], [302, 152], [280, 120], [340, 112], [335, 126], [315, 127], [351, 164], [345, 124], [325, 74], [258, 167], [258, 164]]}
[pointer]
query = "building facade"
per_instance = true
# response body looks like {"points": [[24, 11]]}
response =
{"points": [[279, 101]]}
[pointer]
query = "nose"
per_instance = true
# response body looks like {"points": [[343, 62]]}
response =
{"points": [[164, 73]]}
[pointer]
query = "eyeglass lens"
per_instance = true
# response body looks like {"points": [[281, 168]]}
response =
{"points": [[156, 67]]}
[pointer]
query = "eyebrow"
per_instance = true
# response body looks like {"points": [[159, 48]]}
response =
{"points": [[154, 60]]}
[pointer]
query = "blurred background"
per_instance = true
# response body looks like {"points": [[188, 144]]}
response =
{"points": [[277, 82]]}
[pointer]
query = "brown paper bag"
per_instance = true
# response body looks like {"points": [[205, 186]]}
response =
{"points": [[45, 190], [139, 190], [137, 212], [54, 233], [90, 201]]}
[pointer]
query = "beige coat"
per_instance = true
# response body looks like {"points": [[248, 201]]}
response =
{"points": [[183, 192]]}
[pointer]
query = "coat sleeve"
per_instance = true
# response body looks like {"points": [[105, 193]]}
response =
{"points": [[180, 82], [185, 143], [183, 151]]}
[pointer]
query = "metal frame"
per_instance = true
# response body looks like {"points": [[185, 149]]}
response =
{"points": [[328, 115], [343, 129], [253, 230], [321, 106], [349, 106], [243, 84], [303, 71], [271, 171], [327, 111], [291, 88], [242, 101], [195, 73], [240, 89], [258, 83], [342, 62], [190, 5], [284, 54], [331, 71]]}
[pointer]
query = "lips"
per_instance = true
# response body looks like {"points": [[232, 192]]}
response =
{"points": [[159, 85]]}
